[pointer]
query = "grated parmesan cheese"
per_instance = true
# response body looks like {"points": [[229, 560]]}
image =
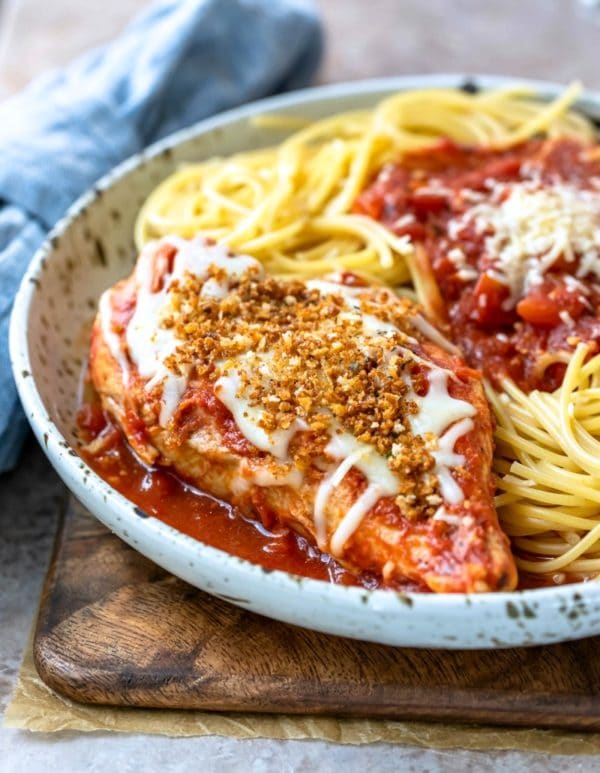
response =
{"points": [[566, 318], [528, 227]]}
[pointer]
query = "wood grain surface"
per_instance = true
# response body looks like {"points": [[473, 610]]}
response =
{"points": [[116, 629]]}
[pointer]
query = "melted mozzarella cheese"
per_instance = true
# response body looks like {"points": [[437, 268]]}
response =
{"points": [[441, 515], [111, 339], [353, 518], [327, 287], [228, 388], [438, 410], [372, 465], [148, 341], [264, 477], [325, 490], [447, 419], [213, 289], [381, 482], [372, 326], [173, 388], [445, 459]]}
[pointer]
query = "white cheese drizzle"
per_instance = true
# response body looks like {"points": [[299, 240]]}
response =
{"points": [[111, 339], [330, 287], [372, 465], [441, 515], [376, 327], [438, 410], [326, 488], [353, 518], [148, 342], [228, 388], [264, 477], [381, 482], [173, 388], [445, 458], [445, 418]]}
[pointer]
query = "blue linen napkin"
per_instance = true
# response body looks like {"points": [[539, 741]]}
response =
{"points": [[178, 62]]}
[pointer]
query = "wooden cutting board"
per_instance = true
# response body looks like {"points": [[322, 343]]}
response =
{"points": [[116, 629]]}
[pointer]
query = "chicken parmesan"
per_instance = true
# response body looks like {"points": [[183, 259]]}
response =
{"points": [[265, 349], [328, 406]]}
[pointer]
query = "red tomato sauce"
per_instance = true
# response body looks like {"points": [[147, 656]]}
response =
{"points": [[160, 493], [429, 187]]}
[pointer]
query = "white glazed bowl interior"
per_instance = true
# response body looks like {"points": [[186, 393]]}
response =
{"points": [[89, 250]]}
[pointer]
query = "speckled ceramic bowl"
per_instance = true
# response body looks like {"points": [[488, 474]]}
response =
{"points": [[89, 250]]}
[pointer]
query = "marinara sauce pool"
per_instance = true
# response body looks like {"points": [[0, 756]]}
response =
{"points": [[160, 493]]}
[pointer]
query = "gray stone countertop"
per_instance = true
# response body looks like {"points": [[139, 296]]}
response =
{"points": [[550, 39]]}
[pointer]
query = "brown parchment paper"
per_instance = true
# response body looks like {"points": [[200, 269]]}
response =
{"points": [[35, 707]]}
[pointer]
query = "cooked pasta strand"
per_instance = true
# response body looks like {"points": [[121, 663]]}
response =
{"points": [[280, 202]]}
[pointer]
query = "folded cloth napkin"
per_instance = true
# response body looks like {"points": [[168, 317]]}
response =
{"points": [[180, 61]]}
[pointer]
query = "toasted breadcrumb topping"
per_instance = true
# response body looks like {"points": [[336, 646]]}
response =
{"points": [[309, 357]]}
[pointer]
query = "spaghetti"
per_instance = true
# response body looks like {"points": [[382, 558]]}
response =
{"points": [[294, 208], [548, 465], [291, 205]]}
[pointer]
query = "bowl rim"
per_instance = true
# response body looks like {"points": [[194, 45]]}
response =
{"points": [[69, 464]]}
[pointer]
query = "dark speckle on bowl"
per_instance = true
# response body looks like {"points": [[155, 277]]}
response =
{"points": [[100, 252], [470, 87], [512, 610], [528, 611]]}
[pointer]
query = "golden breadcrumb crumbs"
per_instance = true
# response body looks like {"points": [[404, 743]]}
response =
{"points": [[318, 365]]}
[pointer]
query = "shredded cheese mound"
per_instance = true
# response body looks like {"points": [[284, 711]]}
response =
{"points": [[528, 227]]}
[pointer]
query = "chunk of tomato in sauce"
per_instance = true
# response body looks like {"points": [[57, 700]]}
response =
{"points": [[488, 299], [545, 306], [427, 201]]}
